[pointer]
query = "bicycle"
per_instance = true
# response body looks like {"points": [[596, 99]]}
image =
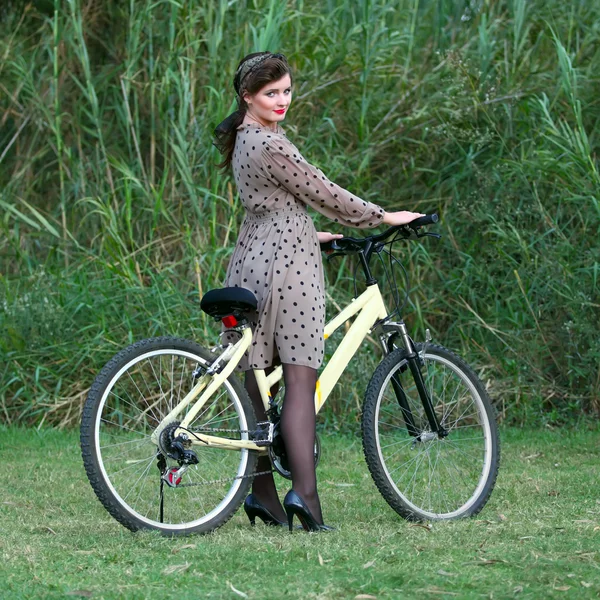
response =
{"points": [[170, 440]]}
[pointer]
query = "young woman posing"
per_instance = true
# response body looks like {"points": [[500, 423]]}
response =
{"points": [[277, 257]]}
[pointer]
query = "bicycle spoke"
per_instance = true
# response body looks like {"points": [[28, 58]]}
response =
{"points": [[142, 395], [113, 435], [461, 451], [404, 442], [107, 422]]}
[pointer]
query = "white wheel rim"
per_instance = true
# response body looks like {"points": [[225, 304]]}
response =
{"points": [[487, 438], [236, 483]]}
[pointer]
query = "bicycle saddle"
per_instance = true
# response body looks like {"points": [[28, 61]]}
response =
{"points": [[228, 301]]}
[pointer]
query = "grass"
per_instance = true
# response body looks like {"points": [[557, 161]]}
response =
{"points": [[538, 537]]}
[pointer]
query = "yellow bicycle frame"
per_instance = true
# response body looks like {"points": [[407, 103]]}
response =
{"points": [[369, 307]]}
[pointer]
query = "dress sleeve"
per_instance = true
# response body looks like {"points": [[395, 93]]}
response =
{"points": [[283, 163]]}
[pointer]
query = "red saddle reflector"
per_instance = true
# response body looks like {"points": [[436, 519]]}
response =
{"points": [[229, 321]]}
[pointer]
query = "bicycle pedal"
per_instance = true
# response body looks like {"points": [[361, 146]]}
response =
{"points": [[262, 443], [264, 429]]}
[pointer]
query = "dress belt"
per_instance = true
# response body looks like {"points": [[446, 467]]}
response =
{"points": [[273, 215]]}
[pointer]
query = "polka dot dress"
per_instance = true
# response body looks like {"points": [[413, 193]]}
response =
{"points": [[277, 255]]}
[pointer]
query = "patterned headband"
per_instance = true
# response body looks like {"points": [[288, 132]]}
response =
{"points": [[249, 65]]}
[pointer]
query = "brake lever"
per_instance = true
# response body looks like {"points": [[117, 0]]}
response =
{"points": [[415, 232], [335, 250], [332, 248], [437, 236], [410, 233]]}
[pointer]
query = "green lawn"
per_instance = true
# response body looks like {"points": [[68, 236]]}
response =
{"points": [[538, 537]]}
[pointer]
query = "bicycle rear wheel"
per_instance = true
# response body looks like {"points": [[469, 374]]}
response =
{"points": [[421, 475], [126, 468]]}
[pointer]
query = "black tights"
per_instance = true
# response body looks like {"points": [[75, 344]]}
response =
{"points": [[298, 431]]}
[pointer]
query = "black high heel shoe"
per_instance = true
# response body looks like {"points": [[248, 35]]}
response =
{"points": [[255, 509], [294, 505]]}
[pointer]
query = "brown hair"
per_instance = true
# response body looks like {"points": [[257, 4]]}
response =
{"points": [[271, 69]]}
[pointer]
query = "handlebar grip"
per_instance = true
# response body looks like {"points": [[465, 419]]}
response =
{"points": [[426, 220]]}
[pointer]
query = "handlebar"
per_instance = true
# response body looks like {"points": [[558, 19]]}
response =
{"points": [[347, 245], [425, 220]]}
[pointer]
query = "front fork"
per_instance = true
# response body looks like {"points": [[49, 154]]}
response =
{"points": [[414, 364]]}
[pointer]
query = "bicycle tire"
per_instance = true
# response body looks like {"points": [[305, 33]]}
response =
{"points": [[124, 406], [403, 468]]}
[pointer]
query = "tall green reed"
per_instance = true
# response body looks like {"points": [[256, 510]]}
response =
{"points": [[115, 219]]}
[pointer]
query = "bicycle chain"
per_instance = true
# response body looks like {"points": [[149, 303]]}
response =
{"points": [[215, 481], [224, 480], [205, 429]]}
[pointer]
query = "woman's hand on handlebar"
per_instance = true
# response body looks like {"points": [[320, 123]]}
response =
{"points": [[325, 236], [401, 217]]}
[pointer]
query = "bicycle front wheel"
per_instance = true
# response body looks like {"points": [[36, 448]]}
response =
{"points": [[420, 474], [129, 471]]}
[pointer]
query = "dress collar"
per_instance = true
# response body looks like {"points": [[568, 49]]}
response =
{"points": [[279, 129]]}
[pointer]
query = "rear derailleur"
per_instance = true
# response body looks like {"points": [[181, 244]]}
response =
{"points": [[178, 449]]}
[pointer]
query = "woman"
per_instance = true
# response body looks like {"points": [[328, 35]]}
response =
{"points": [[277, 257]]}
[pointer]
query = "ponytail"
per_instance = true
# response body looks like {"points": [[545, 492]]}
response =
{"points": [[226, 133]]}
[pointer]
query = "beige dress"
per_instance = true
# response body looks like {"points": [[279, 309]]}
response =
{"points": [[277, 254]]}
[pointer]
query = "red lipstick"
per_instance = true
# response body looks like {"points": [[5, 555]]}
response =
{"points": [[280, 112]]}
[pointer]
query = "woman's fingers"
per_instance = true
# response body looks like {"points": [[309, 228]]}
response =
{"points": [[401, 217], [326, 236]]}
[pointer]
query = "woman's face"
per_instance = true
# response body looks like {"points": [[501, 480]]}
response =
{"points": [[270, 104]]}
